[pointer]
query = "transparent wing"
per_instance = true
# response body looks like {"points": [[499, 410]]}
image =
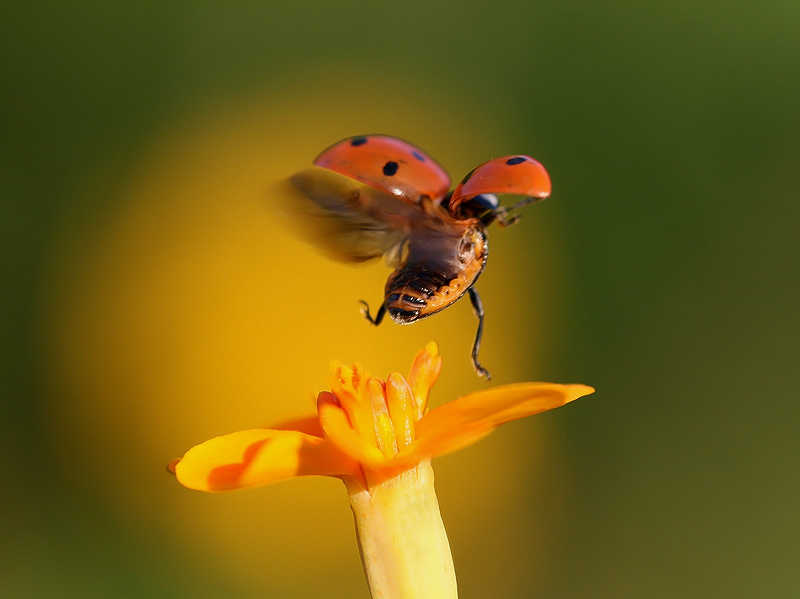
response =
{"points": [[349, 221]]}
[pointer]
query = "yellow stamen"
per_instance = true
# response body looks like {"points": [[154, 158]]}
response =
{"points": [[384, 431], [349, 385], [402, 409]]}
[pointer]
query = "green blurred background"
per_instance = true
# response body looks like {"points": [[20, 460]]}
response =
{"points": [[150, 300]]}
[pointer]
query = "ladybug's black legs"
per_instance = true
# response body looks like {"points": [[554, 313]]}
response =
{"points": [[477, 306], [378, 317]]}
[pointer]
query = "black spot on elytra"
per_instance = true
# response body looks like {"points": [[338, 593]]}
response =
{"points": [[390, 168], [467, 176], [358, 141], [418, 156], [516, 160]]}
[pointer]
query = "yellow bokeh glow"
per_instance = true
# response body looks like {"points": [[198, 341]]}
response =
{"points": [[187, 311]]}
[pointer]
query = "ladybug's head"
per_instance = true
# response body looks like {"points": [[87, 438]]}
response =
{"points": [[515, 175], [482, 206]]}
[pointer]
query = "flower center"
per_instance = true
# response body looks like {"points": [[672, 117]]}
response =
{"points": [[373, 420], [382, 413]]}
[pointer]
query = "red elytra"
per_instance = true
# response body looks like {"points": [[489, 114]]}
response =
{"points": [[519, 175], [388, 164]]}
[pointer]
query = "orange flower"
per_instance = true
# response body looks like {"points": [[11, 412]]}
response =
{"points": [[366, 429], [379, 437]]}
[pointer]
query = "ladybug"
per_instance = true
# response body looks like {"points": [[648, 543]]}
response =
{"points": [[375, 195]]}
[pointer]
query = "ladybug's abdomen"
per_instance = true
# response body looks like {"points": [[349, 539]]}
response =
{"points": [[412, 288], [439, 268]]}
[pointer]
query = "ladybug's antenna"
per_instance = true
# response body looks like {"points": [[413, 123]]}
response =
{"points": [[507, 217]]}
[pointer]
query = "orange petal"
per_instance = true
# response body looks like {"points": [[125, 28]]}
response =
{"points": [[424, 372], [257, 457], [468, 419], [339, 431]]}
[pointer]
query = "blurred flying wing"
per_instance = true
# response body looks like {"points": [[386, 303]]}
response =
{"points": [[349, 221]]}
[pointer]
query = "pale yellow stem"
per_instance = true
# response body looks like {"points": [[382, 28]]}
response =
{"points": [[402, 540]]}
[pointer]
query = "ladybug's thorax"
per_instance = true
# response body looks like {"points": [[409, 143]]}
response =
{"points": [[440, 265]]}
